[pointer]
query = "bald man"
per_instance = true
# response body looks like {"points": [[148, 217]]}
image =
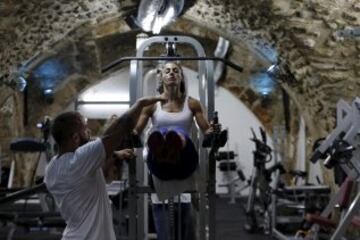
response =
{"points": [[74, 177]]}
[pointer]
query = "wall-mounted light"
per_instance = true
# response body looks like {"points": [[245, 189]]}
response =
{"points": [[262, 84], [21, 84], [48, 92], [15, 81], [49, 74], [273, 70], [48, 95]]}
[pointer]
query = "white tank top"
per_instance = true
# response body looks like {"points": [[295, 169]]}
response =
{"points": [[183, 119]]}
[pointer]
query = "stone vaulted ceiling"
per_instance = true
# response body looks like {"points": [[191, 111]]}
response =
{"points": [[321, 66]]}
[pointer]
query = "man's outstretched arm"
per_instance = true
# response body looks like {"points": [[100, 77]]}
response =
{"points": [[123, 126]]}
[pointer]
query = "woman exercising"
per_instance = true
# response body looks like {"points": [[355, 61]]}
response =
{"points": [[172, 154]]}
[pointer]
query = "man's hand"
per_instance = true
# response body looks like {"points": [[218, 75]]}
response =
{"points": [[146, 101], [125, 154]]}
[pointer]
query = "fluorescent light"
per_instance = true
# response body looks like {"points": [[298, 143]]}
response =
{"points": [[105, 107], [104, 97], [102, 111]]}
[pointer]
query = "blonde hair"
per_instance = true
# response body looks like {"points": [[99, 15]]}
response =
{"points": [[160, 88]]}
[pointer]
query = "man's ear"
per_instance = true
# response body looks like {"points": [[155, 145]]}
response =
{"points": [[75, 138]]}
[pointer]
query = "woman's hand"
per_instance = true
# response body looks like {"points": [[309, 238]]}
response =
{"points": [[214, 127], [125, 154]]}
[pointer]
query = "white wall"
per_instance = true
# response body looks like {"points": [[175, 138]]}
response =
{"points": [[238, 119], [235, 116]]}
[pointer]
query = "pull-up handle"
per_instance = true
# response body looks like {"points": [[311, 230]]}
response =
{"points": [[215, 139]]}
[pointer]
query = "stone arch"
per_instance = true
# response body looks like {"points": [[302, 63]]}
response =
{"points": [[306, 34], [96, 51]]}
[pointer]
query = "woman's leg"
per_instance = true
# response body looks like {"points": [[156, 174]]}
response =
{"points": [[157, 160], [187, 222], [189, 157], [156, 144], [160, 220], [180, 159], [175, 142]]}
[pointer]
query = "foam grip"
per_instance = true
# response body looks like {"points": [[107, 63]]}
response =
{"points": [[241, 175], [223, 138], [219, 138], [313, 218], [356, 221], [316, 156], [346, 189], [27, 145]]}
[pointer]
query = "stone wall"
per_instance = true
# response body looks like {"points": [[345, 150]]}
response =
{"points": [[29, 28], [304, 33]]}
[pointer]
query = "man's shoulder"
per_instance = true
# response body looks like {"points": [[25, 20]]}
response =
{"points": [[94, 143], [57, 162]]}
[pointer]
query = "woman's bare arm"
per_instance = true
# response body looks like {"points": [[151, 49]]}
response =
{"points": [[199, 114], [120, 129], [145, 115]]}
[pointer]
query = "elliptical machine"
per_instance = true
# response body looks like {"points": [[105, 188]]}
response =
{"points": [[260, 180]]}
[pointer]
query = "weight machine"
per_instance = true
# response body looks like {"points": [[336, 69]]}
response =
{"points": [[260, 181], [31, 206], [341, 148], [229, 167], [138, 189], [273, 196]]}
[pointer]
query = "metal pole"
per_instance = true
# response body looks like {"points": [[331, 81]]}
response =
{"points": [[206, 93]]}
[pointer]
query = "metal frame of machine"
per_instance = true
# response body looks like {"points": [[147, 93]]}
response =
{"points": [[138, 174]]}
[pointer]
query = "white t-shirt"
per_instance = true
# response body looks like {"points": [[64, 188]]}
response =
{"points": [[77, 184]]}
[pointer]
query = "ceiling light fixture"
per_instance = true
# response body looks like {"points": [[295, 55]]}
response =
{"points": [[153, 15]]}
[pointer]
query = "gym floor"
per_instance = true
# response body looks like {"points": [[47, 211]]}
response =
{"points": [[230, 220], [229, 225]]}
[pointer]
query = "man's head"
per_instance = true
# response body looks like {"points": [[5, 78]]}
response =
{"points": [[70, 129]]}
